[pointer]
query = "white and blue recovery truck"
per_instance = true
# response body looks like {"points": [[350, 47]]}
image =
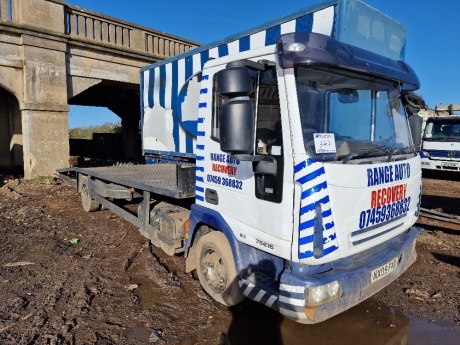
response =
{"points": [[280, 161]]}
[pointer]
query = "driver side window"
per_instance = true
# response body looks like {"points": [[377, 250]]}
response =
{"points": [[269, 140]]}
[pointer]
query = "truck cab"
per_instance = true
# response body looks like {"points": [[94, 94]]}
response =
{"points": [[307, 166], [441, 140]]}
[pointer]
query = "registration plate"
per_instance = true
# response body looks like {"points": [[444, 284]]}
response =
{"points": [[447, 164], [384, 270]]}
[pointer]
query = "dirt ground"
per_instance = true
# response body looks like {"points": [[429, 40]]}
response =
{"points": [[70, 277]]}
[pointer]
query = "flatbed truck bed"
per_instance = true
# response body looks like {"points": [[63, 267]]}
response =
{"points": [[158, 189], [172, 180]]}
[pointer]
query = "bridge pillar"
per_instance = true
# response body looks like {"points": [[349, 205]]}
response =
{"points": [[44, 106]]}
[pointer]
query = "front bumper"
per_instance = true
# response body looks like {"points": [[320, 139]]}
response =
{"points": [[355, 275]]}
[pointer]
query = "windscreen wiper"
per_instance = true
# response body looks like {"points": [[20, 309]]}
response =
{"points": [[388, 150]]}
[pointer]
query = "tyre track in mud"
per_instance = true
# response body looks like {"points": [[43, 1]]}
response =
{"points": [[111, 287]]}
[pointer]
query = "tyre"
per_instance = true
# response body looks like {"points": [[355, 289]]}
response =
{"points": [[216, 269], [89, 205]]}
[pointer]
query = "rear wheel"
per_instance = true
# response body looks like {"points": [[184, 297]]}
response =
{"points": [[216, 269], [89, 205]]}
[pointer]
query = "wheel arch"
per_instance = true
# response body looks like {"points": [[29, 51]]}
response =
{"points": [[203, 217], [243, 254]]}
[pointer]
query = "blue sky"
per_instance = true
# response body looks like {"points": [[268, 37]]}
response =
{"points": [[432, 50]]}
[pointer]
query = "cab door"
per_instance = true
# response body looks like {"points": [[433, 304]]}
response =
{"points": [[258, 207]]}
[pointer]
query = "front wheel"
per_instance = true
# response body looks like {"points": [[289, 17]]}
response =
{"points": [[216, 269]]}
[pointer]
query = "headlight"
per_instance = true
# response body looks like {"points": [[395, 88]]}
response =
{"points": [[322, 294], [425, 154]]}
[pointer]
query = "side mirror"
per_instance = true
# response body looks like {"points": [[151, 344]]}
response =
{"points": [[234, 82], [414, 101], [415, 122], [237, 123], [237, 117]]}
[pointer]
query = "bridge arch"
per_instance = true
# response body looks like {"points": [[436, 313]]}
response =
{"points": [[11, 141], [122, 99]]}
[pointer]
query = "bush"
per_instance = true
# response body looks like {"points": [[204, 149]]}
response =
{"points": [[87, 132]]}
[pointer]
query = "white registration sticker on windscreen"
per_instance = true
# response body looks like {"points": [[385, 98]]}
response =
{"points": [[324, 143], [384, 270]]}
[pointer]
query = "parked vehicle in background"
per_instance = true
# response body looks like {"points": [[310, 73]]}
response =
{"points": [[441, 140]]}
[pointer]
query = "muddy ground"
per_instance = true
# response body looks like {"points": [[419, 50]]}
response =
{"points": [[70, 277]]}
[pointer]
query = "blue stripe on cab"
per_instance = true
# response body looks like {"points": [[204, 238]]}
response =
{"points": [[271, 35], [162, 85], [307, 224], [306, 240], [223, 50], [204, 58], [311, 176], [328, 226], [329, 250], [151, 84], [188, 67], [174, 92], [244, 43], [327, 213], [311, 207], [188, 142], [299, 167], [330, 238], [313, 190], [306, 255], [304, 24]]}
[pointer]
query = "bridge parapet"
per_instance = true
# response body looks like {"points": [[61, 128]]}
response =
{"points": [[91, 27], [97, 28], [5, 10]]}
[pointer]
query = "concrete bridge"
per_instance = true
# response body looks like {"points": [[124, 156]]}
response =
{"points": [[53, 55]]}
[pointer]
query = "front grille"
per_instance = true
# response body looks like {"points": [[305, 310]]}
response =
{"points": [[375, 231], [444, 153]]}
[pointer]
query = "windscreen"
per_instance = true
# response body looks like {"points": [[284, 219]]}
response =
{"points": [[442, 131], [347, 116]]}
